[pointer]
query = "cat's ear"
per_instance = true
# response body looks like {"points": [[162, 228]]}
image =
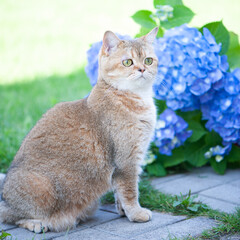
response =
{"points": [[150, 37], [110, 42]]}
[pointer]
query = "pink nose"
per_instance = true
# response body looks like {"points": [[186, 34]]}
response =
{"points": [[141, 70]]}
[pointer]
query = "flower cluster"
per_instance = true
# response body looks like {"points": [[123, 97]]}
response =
{"points": [[92, 59], [171, 132], [189, 64], [222, 110], [164, 12], [218, 152]]}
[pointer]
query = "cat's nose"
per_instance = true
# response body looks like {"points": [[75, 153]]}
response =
{"points": [[142, 70]]}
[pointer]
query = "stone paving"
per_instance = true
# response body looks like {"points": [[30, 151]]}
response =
{"points": [[220, 192]]}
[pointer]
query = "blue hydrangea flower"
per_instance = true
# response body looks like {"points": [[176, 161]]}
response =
{"points": [[189, 65], [171, 132], [92, 66], [222, 110], [92, 59], [218, 152]]}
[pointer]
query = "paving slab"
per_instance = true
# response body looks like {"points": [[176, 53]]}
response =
{"points": [[124, 228], [184, 184], [160, 180], [208, 172], [231, 237], [225, 192], [235, 183], [90, 234], [198, 180], [188, 228], [100, 217], [217, 204]]}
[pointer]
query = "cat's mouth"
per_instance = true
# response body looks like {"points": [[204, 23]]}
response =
{"points": [[141, 75]]}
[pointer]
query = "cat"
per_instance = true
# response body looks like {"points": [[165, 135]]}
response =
{"points": [[80, 150]]}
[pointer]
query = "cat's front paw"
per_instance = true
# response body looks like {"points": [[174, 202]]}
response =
{"points": [[139, 214]]}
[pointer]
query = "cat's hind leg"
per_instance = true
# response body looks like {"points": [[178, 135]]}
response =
{"points": [[7, 214], [70, 217]]}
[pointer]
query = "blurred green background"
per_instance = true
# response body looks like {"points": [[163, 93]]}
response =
{"points": [[43, 48]]}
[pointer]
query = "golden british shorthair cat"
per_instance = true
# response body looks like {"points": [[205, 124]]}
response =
{"points": [[79, 150]]}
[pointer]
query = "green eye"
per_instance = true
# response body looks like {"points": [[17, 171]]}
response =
{"points": [[148, 61], [127, 62]]}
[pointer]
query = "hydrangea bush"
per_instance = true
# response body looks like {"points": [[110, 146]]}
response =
{"points": [[197, 90]]}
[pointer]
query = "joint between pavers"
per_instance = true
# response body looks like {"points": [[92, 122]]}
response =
{"points": [[170, 180], [104, 210], [10, 228], [101, 223], [205, 189], [220, 199]]}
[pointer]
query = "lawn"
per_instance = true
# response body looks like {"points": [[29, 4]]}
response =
{"points": [[42, 53]]}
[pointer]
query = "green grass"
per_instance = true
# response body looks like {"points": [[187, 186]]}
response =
{"points": [[23, 104], [228, 224]]}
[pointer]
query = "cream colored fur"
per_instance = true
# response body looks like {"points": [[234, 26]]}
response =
{"points": [[79, 150]]}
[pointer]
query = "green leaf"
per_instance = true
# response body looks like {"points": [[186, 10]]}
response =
{"points": [[219, 167], [181, 15], [190, 115], [176, 203], [234, 57], [161, 105], [172, 3], [156, 169], [143, 17], [213, 139], [233, 52], [143, 31], [177, 157], [193, 208], [234, 41], [4, 235], [220, 33], [194, 153], [198, 130], [234, 155]]}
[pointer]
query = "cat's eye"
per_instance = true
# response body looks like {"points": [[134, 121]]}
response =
{"points": [[148, 61], [127, 62]]}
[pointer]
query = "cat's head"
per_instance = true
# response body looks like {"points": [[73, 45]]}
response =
{"points": [[128, 64]]}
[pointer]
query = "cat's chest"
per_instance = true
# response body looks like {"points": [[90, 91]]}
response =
{"points": [[140, 116]]}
